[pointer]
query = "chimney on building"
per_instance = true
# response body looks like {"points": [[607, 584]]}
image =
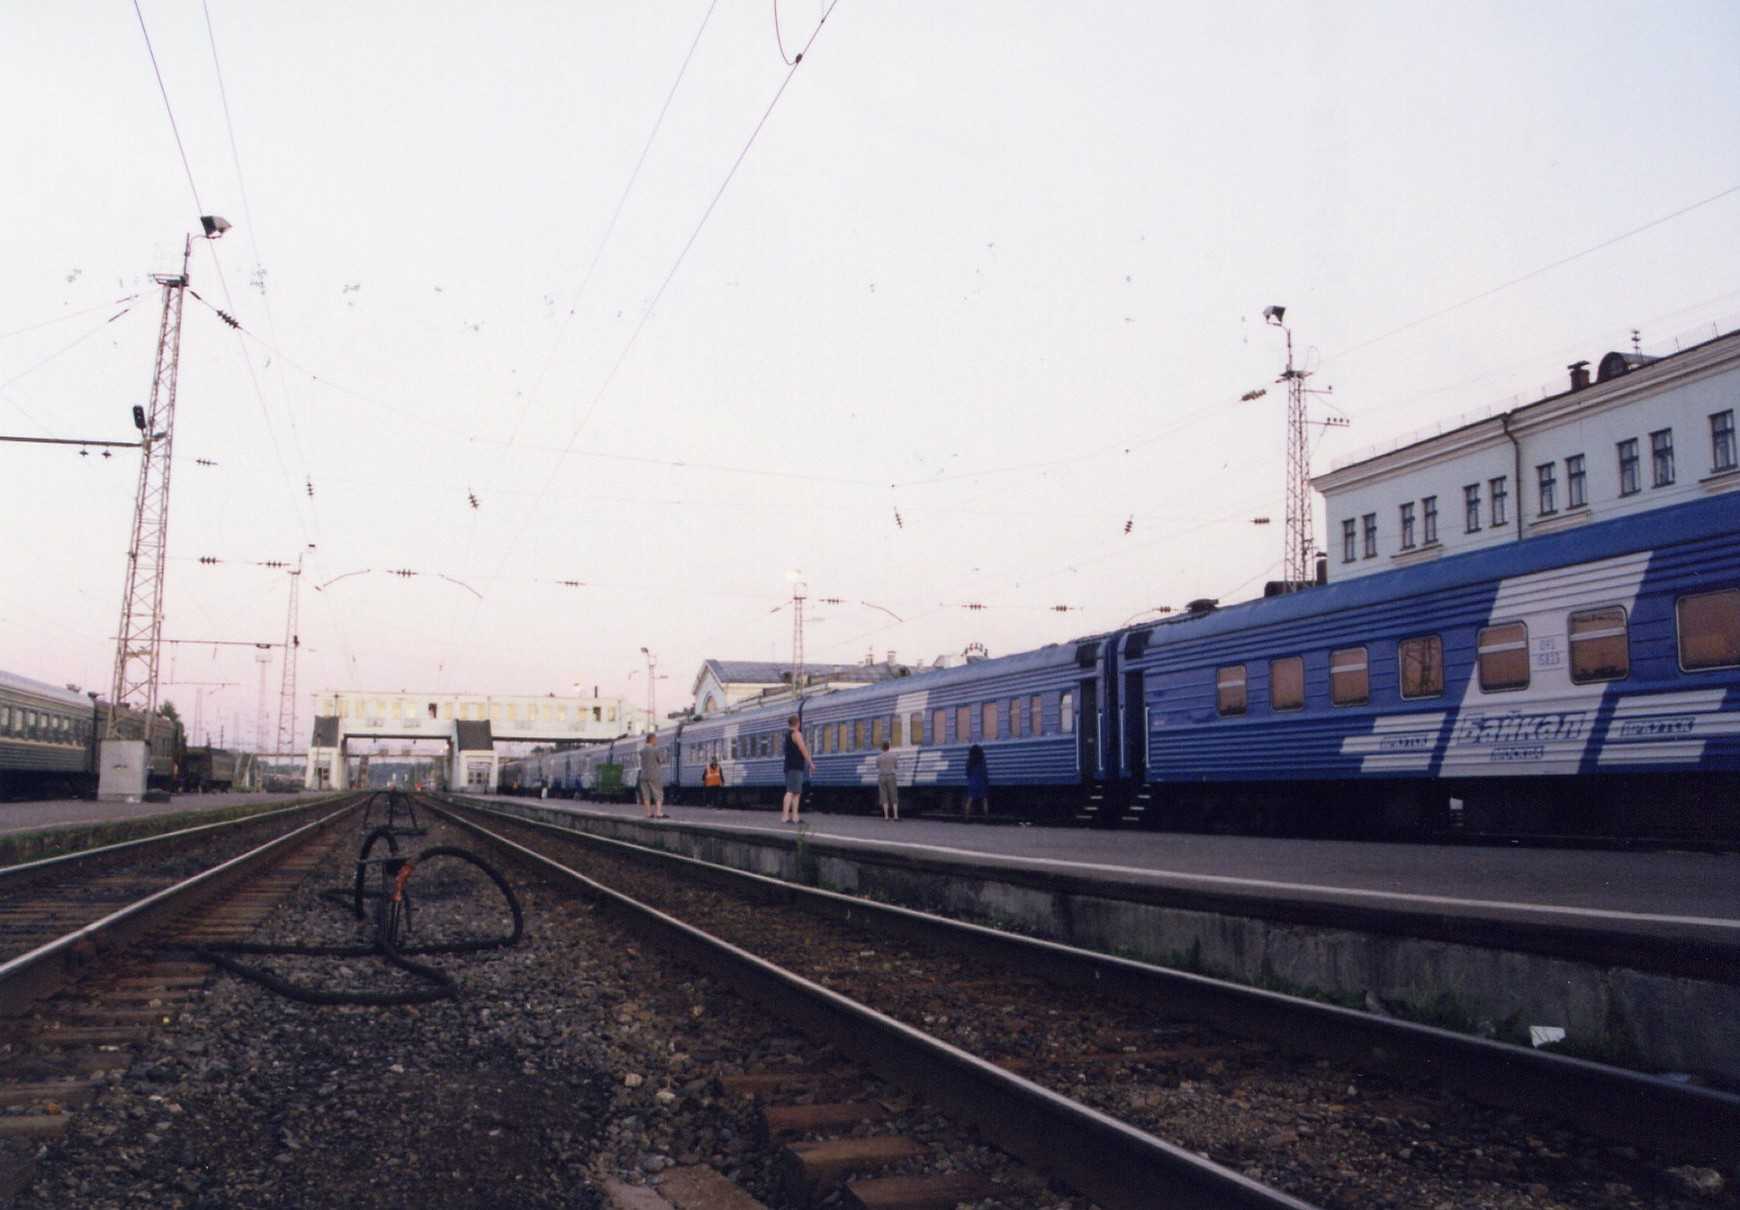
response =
{"points": [[1579, 374]]}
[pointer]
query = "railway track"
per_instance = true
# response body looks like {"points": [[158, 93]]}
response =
{"points": [[1135, 1084], [83, 979]]}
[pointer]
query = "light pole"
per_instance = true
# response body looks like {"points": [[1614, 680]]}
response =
{"points": [[652, 714]]}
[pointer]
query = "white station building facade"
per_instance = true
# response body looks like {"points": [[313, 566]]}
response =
{"points": [[471, 724], [1638, 433]]}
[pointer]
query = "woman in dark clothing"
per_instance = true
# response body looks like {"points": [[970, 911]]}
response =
{"points": [[978, 781]]}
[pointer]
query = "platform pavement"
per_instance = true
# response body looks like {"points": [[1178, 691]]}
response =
{"points": [[79, 812], [1669, 890]]}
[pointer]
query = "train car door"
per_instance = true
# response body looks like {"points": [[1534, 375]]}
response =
{"points": [[1135, 728], [1088, 728]]}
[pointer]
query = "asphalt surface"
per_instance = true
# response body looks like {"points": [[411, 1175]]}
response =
{"points": [[72, 812], [1603, 890]]}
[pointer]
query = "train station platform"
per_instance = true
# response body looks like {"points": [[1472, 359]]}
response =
{"points": [[82, 812], [1635, 953]]}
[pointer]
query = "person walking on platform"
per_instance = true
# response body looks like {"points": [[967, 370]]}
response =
{"points": [[652, 784], [712, 782], [978, 782], [887, 785], [797, 763]]}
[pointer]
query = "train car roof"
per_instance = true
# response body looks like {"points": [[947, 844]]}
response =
{"points": [[1597, 540], [59, 693]]}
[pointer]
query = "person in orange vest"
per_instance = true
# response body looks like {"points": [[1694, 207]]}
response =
{"points": [[711, 782]]}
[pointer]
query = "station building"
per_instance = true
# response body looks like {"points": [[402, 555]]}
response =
{"points": [[1639, 433], [725, 684]]}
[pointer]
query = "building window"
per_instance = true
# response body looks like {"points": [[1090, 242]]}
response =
{"points": [[1599, 647], [1471, 508], [1661, 457], [1229, 689], [1499, 490], [1066, 713], [1709, 629], [1576, 482], [1429, 520], [1549, 503], [1722, 441], [1349, 682], [1349, 540], [1408, 526], [1502, 653], [1628, 467], [1370, 521], [1287, 683]]}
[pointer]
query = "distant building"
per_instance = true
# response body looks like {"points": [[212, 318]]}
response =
{"points": [[723, 684], [1640, 433]]}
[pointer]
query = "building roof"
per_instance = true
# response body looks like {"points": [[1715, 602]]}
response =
{"points": [[771, 672], [1613, 365]]}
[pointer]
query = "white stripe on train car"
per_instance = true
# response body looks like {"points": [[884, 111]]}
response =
{"points": [[1666, 728], [1397, 743], [1547, 726]]}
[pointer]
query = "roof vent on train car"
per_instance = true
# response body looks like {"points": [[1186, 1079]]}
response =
{"points": [[1202, 605], [1087, 654], [1137, 644]]}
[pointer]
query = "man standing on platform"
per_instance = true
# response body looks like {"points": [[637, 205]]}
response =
{"points": [[652, 783], [887, 784]]}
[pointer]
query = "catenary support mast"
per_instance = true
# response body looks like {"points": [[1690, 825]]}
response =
{"points": [[137, 645]]}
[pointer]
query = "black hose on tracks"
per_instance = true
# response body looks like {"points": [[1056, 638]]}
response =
{"points": [[391, 919]]}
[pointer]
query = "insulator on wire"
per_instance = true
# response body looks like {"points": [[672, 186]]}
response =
{"points": [[471, 496], [1129, 522], [310, 483], [203, 462], [208, 560], [898, 522]]}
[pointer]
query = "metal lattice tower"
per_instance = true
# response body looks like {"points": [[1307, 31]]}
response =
{"points": [[141, 630], [1299, 537], [287, 685]]}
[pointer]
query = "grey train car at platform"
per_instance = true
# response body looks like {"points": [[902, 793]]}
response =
{"points": [[48, 741]]}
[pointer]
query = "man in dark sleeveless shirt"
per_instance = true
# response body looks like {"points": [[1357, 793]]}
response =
{"points": [[797, 760]]}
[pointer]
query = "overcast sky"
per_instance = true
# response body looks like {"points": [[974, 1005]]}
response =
{"points": [[981, 296]]}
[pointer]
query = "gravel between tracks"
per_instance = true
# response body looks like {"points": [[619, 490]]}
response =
{"points": [[1332, 1134], [574, 1057]]}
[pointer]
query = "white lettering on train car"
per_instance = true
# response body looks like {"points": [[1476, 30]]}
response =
{"points": [[1397, 743], [1666, 728], [1546, 727]]}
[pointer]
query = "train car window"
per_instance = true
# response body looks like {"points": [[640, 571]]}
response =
{"points": [[1038, 715], [963, 725], [1286, 684], [878, 732], [938, 723], [894, 732], [828, 738], [1502, 653], [988, 720], [1422, 665], [1600, 645], [1017, 717], [1349, 681], [1066, 713], [5, 720], [1229, 689], [860, 735], [1709, 627], [916, 728]]}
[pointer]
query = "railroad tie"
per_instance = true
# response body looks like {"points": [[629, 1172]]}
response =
{"points": [[699, 1187], [786, 1121], [811, 1171]]}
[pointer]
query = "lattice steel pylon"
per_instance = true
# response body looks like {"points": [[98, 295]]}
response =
{"points": [[287, 683], [1299, 542], [141, 630], [797, 633], [264, 659]]}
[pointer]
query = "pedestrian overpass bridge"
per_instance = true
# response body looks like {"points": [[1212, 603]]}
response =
{"points": [[470, 724]]}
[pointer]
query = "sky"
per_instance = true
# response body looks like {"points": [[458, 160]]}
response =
{"points": [[958, 311]]}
